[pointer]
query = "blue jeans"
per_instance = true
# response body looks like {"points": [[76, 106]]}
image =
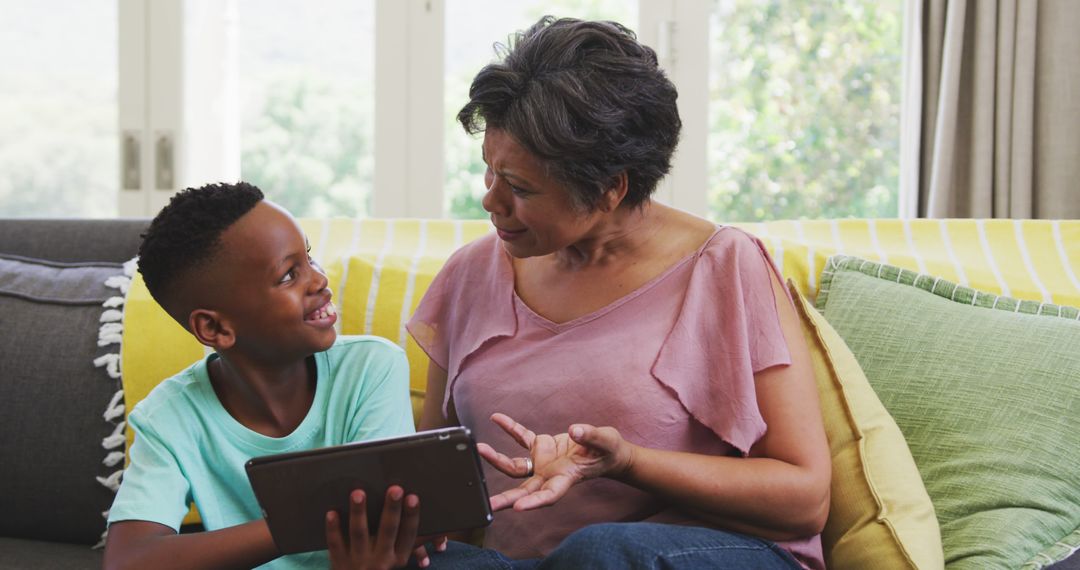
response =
{"points": [[632, 546]]}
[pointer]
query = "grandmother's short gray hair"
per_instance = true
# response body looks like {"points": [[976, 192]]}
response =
{"points": [[588, 100]]}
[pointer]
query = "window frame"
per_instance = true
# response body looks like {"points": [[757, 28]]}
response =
{"points": [[160, 66]]}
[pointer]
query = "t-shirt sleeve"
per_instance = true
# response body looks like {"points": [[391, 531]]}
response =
{"points": [[153, 488], [727, 331], [429, 323], [382, 407], [470, 302]]}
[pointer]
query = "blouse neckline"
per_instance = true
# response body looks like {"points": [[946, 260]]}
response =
{"points": [[583, 319]]}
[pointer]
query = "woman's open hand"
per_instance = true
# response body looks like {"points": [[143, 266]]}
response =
{"points": [[558, 461]]}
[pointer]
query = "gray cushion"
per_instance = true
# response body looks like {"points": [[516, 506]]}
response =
{"points": [[16, 554], [53, 399]]}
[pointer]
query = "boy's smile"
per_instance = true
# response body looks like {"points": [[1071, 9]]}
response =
{"points": [[325, 315]]}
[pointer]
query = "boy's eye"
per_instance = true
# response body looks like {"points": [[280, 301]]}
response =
{"points": [[519, 191], [289, 276]]}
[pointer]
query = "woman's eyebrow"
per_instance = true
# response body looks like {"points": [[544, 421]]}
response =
{"points": [[517, 180]]}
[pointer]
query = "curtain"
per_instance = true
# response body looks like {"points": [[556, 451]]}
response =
{"points": [[991, 118]]}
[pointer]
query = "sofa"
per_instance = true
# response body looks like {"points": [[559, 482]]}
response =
{"points": [[53, 395], [68, 304]]}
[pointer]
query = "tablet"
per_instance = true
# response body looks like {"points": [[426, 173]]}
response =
{"points": [[441, 467]]}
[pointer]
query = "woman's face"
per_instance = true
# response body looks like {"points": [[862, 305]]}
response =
{"points": [[533, 213]]}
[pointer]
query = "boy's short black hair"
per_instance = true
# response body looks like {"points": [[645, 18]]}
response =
{"points": [[187, 233]]}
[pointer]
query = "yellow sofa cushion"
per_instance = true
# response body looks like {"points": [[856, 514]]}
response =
{"points": [[880, 515], [1025, 259]]}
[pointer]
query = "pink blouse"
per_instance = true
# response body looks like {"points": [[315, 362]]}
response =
{"points": [[670, 365]]}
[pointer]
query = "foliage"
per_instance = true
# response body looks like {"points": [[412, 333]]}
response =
{"points": [[464, 183], [804, 112], [805, 115], [58, 153], [309, 147]]}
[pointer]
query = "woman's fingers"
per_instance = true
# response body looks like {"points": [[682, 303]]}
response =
{"points": [[520, 433], [509, 497], [513, 467], [552, 490]]}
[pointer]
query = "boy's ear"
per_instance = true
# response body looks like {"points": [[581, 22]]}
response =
{"points": [[210, 329], [615, 193]]}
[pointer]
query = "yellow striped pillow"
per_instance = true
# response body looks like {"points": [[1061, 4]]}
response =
{"points": [[382, 279], [1026, 259]]}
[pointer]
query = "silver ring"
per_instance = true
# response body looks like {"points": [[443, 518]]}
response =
{"points": [[528, 467]]}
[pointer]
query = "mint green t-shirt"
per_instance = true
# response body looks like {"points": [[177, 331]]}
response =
{"points": [[189, 449]]}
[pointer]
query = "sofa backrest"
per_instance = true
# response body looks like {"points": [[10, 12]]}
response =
{"points": [[72, 240], [54, 396]]}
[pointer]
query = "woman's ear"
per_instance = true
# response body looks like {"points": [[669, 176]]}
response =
{"points": [[615, 193], [211, 330]]}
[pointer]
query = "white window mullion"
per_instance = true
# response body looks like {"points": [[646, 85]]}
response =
{"points": [[408, 108], [131, 114], [177, 99], [911, 111], [164, 91], [679, 32], [210, 127]]}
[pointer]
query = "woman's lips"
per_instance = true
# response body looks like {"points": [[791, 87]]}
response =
{"points": [[509, 235]]}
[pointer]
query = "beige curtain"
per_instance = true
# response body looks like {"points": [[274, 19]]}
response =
{"points": [[992, 114]]}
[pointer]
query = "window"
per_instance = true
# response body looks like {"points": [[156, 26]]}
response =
{"points": [[306, 73], [804, 112], [790, 107], [58, 107]]}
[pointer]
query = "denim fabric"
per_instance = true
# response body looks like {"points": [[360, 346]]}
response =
{"points": [[632, 546]]}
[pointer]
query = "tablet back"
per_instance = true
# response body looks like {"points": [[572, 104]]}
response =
{"points": [[441, 467]]}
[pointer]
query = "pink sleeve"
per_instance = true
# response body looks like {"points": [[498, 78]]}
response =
{"points": [[469, 302], [727, 331]]}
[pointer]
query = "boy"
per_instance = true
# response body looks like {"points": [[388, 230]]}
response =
{"points": [[233, 269]]}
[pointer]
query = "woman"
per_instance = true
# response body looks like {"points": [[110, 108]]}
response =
{"points": [[661, 351]]}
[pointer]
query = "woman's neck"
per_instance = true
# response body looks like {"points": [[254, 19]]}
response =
{"points": [[615, 236]]}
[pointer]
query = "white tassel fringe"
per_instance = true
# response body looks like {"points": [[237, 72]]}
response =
{"points": [[117, 438], [115, 408], [113, 458], [112, 481], [111, 332], [111, 362], [112, 316]]}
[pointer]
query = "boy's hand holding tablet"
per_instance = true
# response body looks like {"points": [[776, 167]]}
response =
{"points": [[380, 487]]}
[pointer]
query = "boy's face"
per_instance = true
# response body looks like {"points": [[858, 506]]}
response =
{"points": [[271, 293]]}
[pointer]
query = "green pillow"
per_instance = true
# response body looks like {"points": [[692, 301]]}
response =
{"points": [[986, 390]]}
